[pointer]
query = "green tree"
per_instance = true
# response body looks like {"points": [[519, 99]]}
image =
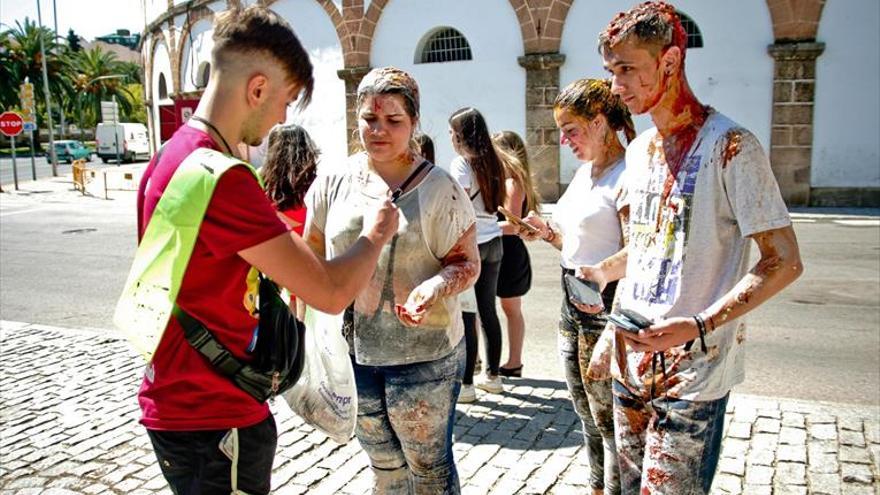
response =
{"points": [[93, 73], [138, 108], [133, 70], [24, 60]]}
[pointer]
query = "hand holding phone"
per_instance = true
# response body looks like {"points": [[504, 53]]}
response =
{"points": [[517, 220], [582, 291], [629, 320]]}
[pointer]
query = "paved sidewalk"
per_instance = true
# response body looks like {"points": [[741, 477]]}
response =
{"points": [[68, 424]]}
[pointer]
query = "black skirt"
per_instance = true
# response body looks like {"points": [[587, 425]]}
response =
{"points": [[515, 277]]}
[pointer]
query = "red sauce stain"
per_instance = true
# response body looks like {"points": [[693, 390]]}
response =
{"points": [[732, 148], [657, 476]]}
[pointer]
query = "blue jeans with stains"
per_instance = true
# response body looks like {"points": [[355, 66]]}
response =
{"points": [[667, 445], [405, 419]]}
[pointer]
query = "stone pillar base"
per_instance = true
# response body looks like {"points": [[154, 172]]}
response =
{"points": [[791, 142], [352, 77], [542, 137]]}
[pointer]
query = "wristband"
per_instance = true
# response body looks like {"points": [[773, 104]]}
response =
{"points": [[701, 327]]}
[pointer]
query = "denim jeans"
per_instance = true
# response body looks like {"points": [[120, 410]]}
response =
{"points": [[193, 463], [667, 445], [405, 419], [592, 399]]}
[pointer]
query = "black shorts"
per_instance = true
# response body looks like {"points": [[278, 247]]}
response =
{"points": [[515, 275], [193, 462]]}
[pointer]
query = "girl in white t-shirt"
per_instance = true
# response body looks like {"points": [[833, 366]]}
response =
{"points": [[586, 228]]}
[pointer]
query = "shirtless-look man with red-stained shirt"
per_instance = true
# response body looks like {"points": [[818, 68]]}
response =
{"points": [[701, 192]]}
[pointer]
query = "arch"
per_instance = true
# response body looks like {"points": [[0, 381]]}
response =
{"points": [[795, 20], [541, 23], [442, 44], [157, 38], [355, 28], [192, 18]]}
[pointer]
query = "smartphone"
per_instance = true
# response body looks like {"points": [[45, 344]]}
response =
{"points": [[623, 323], [637, 319], [516, 220], [583, 291]]}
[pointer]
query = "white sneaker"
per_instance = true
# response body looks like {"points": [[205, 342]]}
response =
{"points": [[491, 384], [467, 394]]}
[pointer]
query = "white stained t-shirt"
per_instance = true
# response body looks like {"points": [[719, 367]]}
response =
{"points": [[698, 251], [487, 222], [433, 217], [587, 216]]}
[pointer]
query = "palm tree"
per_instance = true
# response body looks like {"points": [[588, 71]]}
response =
{"points": [[24, 60], [97, 75]]}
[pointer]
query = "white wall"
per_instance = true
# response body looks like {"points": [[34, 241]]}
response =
{"points": [[161, 65], [493, 82], [846, 119], [732, 72], [194, 55], [325, 117]]}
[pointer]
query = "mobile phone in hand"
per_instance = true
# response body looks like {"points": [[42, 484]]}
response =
{"points": [[582, 291], [629, 320], [516, 220]]}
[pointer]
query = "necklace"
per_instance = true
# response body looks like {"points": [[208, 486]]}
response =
{"points": [[217, 132]]}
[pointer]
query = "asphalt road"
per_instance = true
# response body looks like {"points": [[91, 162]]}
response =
{"points": [[65, 258], [41, 166]]}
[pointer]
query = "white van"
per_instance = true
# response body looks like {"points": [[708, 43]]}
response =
{"points": [[131, 138]]}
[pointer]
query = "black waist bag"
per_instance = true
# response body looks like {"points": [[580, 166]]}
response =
{"points": [[278, 352]]}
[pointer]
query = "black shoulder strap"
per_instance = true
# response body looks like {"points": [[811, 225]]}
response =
{"points": [[203, 341], [415, 173]]}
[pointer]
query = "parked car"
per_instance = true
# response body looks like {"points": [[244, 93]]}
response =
{"points": [[129, 137], [68, 151]]}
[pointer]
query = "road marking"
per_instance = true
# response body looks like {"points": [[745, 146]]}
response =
{"points": [[22, 211], [871, 222]]}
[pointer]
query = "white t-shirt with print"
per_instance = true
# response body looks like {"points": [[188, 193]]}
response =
{"points": [[433, 217], [698, 251], [487, 222], [587, 216]]}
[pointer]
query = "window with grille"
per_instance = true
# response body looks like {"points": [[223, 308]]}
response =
{"points": [[444, 45], [695, 38]]}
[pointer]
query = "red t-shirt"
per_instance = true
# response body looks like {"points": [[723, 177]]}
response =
{"points": [[181, 390], [298, 215]]}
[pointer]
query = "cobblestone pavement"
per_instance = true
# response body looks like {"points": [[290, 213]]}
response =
{"points": [[68, 424]]}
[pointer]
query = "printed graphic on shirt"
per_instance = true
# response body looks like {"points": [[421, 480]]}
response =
{"points": [[659, 221]]}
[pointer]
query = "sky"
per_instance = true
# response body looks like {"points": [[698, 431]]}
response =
{"points": [[88, 18]]}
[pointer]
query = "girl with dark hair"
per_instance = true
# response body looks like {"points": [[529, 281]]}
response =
{"points": [[480, 172], [288, 172], [515, 274], [587, 228], [426, 146]]}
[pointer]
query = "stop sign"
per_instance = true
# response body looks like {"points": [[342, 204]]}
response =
{"points": [[10, 124]]}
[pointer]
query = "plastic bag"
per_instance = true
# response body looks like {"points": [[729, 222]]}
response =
{"points": [[325, 396]]}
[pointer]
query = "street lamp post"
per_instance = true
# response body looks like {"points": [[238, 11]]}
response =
{"points": [[52, 156]]}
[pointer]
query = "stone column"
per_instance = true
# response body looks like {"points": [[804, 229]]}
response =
{"points": [[791, 142], [352, 77], [542, 137]]}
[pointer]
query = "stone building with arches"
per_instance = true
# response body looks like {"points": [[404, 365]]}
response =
{"points": [[804, 75]]}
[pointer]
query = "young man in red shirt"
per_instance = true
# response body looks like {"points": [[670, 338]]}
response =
{"points": [[258, 68]]}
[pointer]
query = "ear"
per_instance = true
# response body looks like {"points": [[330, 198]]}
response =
{"points": [[257, 89], [670, 60]]}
